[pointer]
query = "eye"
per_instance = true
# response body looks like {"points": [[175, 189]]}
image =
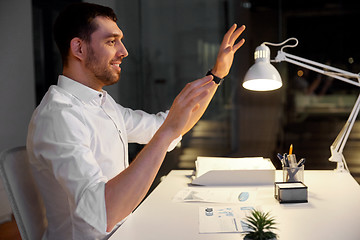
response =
{"points": [[111, 42]]}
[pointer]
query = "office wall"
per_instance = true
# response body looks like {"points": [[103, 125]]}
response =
{"points": [[17, 94]]}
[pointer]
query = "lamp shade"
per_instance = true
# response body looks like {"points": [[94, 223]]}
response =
{"points": [[262, 76]]}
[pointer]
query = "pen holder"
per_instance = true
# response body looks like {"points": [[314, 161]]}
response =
{"points": [[293, 174]]}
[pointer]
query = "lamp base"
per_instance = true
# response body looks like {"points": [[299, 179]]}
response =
{"points": [[340, 168], [339, 158]]}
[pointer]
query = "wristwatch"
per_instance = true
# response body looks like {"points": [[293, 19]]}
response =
{"points": [[216, 79]]}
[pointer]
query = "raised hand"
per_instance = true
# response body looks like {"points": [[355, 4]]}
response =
{"points": [[227, 50]]}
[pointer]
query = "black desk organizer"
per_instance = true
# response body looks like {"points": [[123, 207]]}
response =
{"points": [[286, 194]]}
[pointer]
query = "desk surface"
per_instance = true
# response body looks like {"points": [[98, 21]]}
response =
{"points": [[333, 211]]}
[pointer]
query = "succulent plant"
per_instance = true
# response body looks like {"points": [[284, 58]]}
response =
{"points": [[261, 226]]}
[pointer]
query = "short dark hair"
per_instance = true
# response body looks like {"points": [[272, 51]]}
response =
{"points": [[76, 20]]}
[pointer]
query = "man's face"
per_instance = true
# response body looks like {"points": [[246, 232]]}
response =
{"points": [[105, 52]]}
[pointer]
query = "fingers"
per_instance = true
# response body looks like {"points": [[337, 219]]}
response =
{"points": [[236, 35], [228, 34], [197, 83], [238, 45], [202, 81], [196, 87], [193, 93], [231, 36]]}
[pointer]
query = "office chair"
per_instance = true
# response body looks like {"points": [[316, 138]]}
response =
{"points": [[24, 197]]}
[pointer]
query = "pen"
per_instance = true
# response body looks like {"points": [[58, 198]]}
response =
{"points": [[292, 160], [286, 161], [301, 162], [291, 149], [280, 157]]}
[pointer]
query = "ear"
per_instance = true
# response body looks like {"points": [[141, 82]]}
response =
{"points": [[78, 48]]}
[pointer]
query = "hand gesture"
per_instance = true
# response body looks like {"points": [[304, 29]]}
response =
{"points": [[188, 106], [227, 50]]}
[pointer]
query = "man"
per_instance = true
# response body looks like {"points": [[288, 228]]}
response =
{"points": [[78, 135]]}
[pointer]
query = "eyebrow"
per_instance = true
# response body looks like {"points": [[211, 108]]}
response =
{"points": [[116, 35]]}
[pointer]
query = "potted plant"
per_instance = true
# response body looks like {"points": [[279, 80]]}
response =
{"points": [[260, 226]]}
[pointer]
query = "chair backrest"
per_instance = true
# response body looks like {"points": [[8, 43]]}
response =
{"points": [[24, 197]]}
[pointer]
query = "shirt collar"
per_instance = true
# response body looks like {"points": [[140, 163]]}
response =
{"points": [[80, 91]]}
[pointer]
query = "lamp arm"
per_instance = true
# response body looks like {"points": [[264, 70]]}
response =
{"points": [[264, 74], [339, 143], [337, 73]]}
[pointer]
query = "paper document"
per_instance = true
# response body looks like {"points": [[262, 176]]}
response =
{"points": [[223, 219], [206, 164], [216, 195], [216, 171]]}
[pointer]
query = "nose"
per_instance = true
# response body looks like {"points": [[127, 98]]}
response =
{"points": [[122, 50]]}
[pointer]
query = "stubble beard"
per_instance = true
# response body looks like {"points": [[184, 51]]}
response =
{"points": [[101, 70]]}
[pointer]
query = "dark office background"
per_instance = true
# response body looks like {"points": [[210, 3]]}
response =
{"points": [[173, 42]]}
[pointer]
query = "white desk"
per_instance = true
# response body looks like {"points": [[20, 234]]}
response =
{"points": [[333, 211]]}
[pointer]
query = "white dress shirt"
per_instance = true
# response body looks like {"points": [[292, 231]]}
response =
{"points": [[77, 141]]}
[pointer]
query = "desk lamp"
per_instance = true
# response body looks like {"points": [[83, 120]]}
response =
{"points": [[263, 76]]}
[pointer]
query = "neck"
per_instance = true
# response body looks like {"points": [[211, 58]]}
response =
{"points": [[80, 75]]}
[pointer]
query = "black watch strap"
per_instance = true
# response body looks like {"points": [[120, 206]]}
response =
{"points": [[216, 79]]}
